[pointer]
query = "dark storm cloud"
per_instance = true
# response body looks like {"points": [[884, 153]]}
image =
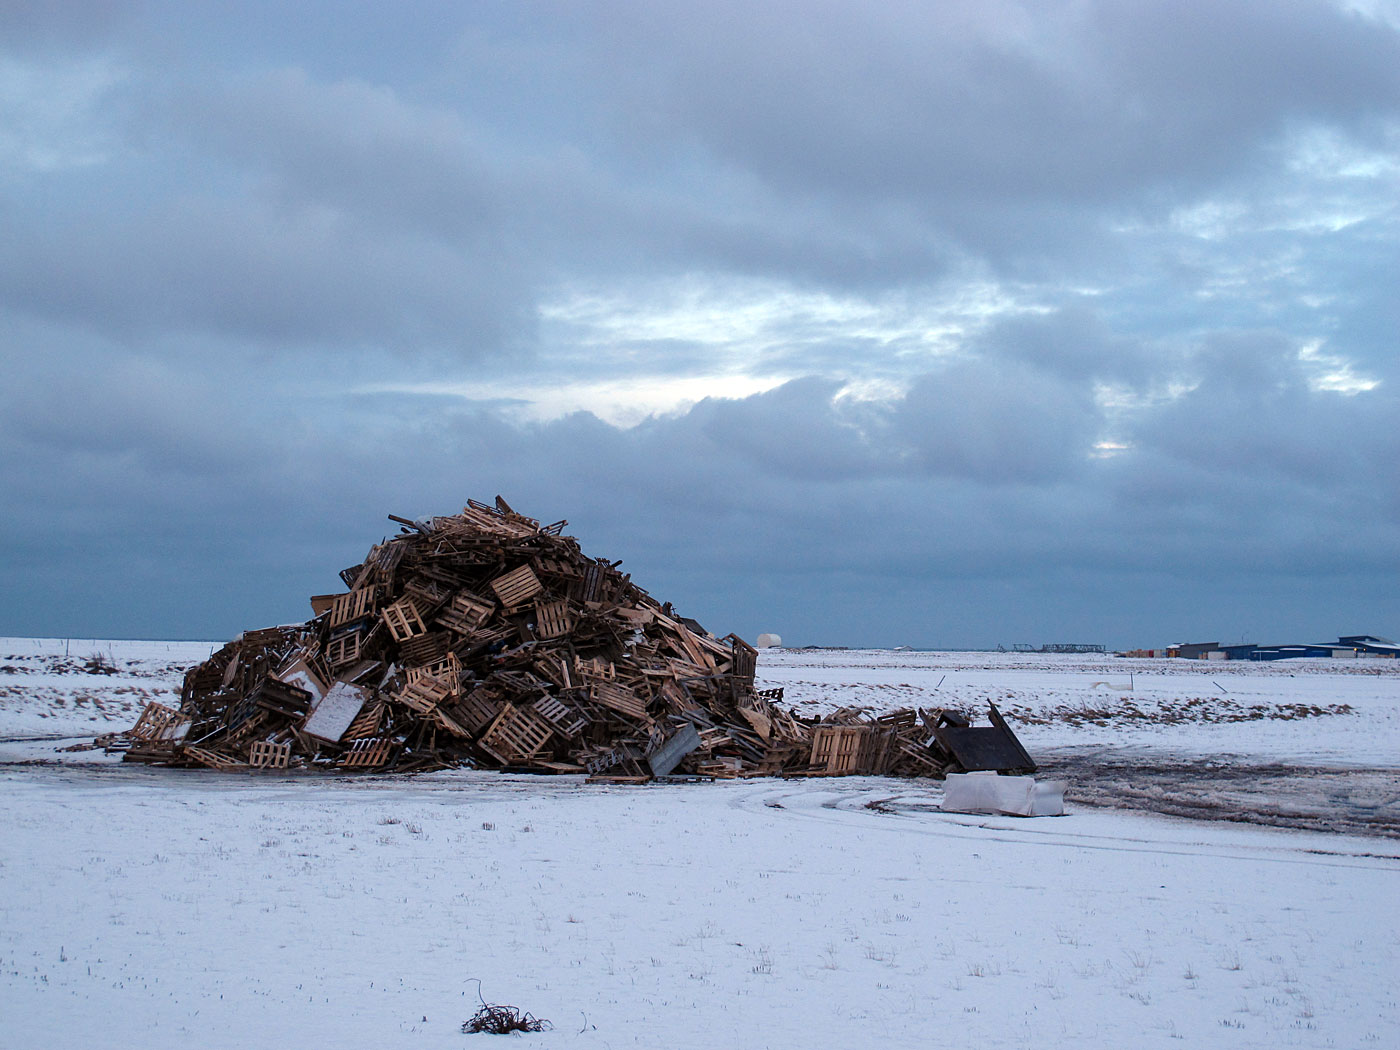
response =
{"points": [[1081, 315]]}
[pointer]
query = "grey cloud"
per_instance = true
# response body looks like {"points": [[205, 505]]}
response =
{"points": [[246, 269], [965, 100], [299, 205], [796, 431], [698, 508], [1253, 413], [979, 419], [1074, 344]]}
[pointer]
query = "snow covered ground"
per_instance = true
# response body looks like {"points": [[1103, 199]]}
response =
{"points": [[155, 908]]}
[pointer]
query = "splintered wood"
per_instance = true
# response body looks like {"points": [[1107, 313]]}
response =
{"points": [[484, 639]]}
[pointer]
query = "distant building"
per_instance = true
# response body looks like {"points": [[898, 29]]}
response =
{"points": [[1193, 650], [1369, 643], [1349, 645]]}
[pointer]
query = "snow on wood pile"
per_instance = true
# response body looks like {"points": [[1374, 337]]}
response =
{"points": [[487, 640]]}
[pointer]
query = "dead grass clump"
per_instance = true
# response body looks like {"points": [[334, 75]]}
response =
{"points": [[502, 1020]]}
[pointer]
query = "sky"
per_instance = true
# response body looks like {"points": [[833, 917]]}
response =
{"points": [[945, 324]]}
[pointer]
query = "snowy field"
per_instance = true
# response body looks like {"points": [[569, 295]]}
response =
{"points": [[154, 908]]}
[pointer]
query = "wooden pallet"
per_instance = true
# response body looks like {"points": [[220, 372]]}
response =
{"points": [[553, 619], [619, 698], [426, 593], [424, 694], [154, 720], [367, 754], [447, 718], [403, 620], [212, 759], [551, 566], [745, 661], [422, 649], [478, 709], [590, 587], [465, 613], [366, 723], [594, 667], [345, 650], [266, 637], [601, 759], [517, 735], [266, 755], [353, 606], [282, 698], [517, 587], [564, 718], [843, 750], [836, 749], [449, 669]]}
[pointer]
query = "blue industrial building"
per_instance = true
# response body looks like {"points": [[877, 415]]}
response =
{"points": [[1346, 645]]}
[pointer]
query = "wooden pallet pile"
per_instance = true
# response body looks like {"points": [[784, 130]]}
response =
{"points": [[913, 743], [485, 639]]}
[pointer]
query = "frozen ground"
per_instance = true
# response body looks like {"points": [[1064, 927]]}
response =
{"points": [[166, 909]]}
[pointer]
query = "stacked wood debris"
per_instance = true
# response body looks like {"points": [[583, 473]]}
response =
{"points": [[487, 640]]}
